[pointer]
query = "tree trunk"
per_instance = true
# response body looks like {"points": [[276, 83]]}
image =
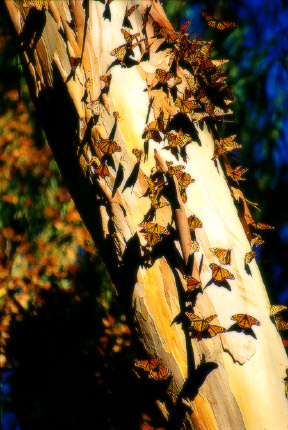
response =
{"points": [[230, 381]]}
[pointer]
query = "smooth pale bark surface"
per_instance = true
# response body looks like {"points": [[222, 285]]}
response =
{"points": [[246, 390]]}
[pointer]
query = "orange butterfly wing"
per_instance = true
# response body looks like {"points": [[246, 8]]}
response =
{"points": [[275, 309], [192, 283], [219, 274], [152, 238], [224, 255], [213, 330], [249, 256], [102, 170], [148, 365], [280, 324], [108, 146], [245, 321], [194, 222]]}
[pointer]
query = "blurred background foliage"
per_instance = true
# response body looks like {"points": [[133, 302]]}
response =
{"points": [[64, 342]]}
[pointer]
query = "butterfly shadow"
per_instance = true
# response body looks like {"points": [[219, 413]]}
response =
{"points": [[32, 30], [247, 331], [180, 121], [189, 390], [223, 284], [126, 63], [247, 269]]}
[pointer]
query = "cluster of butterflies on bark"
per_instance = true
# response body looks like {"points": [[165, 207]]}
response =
{"points": [[206, 95]]}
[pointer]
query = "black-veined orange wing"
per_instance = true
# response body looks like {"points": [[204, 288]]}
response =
{"points": [[224, 255], [219, 274], [108, 146], [275, 309], [120, 52], [186, 106], [213, 330], [138, 154], [280, 324], [131, 10], [256, 240], [159, 373], [152, 238], [184, 27], [245, 321], [149, 364], [129, 37], [249, 256], [194, 222], [192, 284], [102, 170], [216, 23]]}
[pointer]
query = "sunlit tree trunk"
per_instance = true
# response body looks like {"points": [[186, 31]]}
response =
{"points": [[229, 381]]}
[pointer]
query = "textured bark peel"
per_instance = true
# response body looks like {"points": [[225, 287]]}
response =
{"points": [[246, 387]]}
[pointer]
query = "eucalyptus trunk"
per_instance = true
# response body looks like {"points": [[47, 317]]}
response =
{"points": [[233, 380]]}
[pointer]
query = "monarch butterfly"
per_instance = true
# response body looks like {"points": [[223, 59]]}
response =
{"points": [[237, 174], [39, 4], [285, 343], [128, 12], [159, 373], [180, 139], [249, 256], [199, 323], [153, 227], [183, 195], [157, 124], [262, 226], [173, 169], [256, 240], [163, 76], [138, 154], [192, 283], [106, 79], [216, 23], [194, 246], [148, 365], [197, 116], [146, 15], [146, 54], [74, 62], [280, 324], [129, 37], [194, 222], [108, 146], [245, 321], [275, 309], [219, 63], [184, 179], [184, 27], [225, 145], [120, 52], [157, 204], [155, 368], [206, 50], [158, 29], [102, 170], [224, 255], [213, 330], [219, 274], [186, 106], [152, 238]]}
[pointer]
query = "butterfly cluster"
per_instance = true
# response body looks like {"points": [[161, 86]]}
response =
{"points": [[193, 89]]}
